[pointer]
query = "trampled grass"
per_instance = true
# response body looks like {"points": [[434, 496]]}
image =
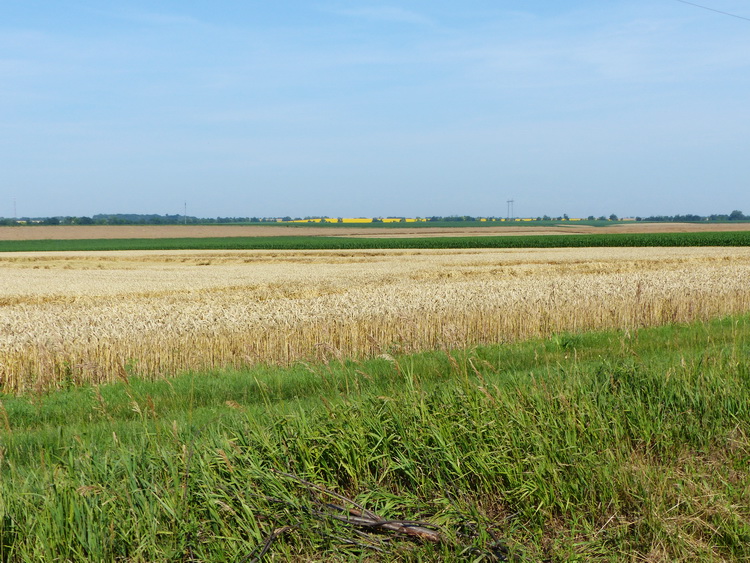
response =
{"points": [[627, 445]]}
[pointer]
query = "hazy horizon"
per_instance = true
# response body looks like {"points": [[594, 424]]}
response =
{"points": [[458, 218]]}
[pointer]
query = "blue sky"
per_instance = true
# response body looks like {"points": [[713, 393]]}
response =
{"points": [[348, 108]]}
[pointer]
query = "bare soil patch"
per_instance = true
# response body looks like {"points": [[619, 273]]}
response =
{"points": [[65, 232]]}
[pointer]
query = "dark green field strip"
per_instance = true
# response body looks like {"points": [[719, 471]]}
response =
{"points": [[737, 238]]}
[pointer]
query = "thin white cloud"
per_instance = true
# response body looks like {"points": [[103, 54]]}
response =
{"points": [[151, 18], [390, 14], [10, 68], [641, 51], [165, 19]]}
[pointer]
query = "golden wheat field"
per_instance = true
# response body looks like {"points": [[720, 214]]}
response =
{"points": [[90, 317]]}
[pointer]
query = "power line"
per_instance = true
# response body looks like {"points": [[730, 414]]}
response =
{"points": [[712, 10]]}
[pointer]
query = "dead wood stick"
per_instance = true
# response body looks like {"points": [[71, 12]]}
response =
{"points": [[360, 516], [327, 492]]}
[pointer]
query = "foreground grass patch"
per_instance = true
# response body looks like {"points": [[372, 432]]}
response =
{"points": [[604, 445]]}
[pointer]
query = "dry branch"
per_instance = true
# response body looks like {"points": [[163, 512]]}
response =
{"points": [[358, 515]]}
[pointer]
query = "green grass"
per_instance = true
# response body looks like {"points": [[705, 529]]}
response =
{"points": [[738, 238], [615, 446]]}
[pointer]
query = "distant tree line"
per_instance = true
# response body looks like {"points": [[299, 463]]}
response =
{"points": [[128, 219], [735, 215]]}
